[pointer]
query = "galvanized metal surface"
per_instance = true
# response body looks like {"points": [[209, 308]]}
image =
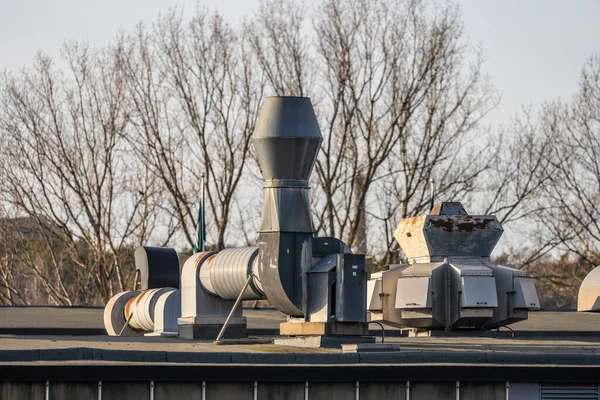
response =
{"points": [[321, 277], [323, 246], [374, 295], [228, 271], [140, 310], [589, 292], [351, 288], [286, 138], [196, 301], [286, 209], [507, 285], [283, 261], [320, 303], [414, 293], [326, 264], [114, 316], [286, 141], [478, 292], [166, 312], [467, 291], [152, 311], [525, 294]]}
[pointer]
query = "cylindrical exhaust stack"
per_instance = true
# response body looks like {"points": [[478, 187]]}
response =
{"points": [[286, 139]]}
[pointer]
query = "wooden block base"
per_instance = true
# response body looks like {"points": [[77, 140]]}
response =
{"points": [[324, 329]]}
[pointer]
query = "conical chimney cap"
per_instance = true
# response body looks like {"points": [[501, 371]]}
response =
{"points": [[287, 138]]}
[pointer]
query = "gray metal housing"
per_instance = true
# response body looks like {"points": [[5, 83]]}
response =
{"points": [[450, 282], [286, 140], [351, 288], [289, 265]]}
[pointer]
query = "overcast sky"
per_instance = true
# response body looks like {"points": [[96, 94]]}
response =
{"points": [[534, 49]]}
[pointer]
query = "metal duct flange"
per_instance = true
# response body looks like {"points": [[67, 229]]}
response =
{"points": [[226, 273]]}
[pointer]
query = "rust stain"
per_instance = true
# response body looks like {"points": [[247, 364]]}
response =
{"points": [[411, 224], [210, 259], [461, 223], [200, 257], [444, 224], [139, 296], [128, 307]]}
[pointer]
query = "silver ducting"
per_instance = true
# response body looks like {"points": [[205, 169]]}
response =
{"points": [[225, 273], [286, 139]]}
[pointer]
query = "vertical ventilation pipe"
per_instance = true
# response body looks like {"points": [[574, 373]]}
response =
{"points": [[286, 140]]}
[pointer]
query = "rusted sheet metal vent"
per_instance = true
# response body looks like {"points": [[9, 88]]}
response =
{"points": [[450, 282], [439, 235]]}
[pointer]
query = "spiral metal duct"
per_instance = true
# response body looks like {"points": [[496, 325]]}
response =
{"points": [[225, 274]]}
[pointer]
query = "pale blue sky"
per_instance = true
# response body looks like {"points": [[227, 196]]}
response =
{"points": [[534, 49]]}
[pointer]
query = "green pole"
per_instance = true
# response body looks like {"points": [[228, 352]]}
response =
{"points": [[201, 222], [432, 193]]}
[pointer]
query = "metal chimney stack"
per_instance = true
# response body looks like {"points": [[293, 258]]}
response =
{"points": [[286, 139]]}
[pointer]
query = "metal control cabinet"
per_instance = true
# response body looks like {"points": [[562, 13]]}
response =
{"points": [[351, 288]]}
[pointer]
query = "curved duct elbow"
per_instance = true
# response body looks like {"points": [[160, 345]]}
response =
{"points": [[225, 274]]}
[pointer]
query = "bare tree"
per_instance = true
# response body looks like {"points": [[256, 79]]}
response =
{"points": [[277, 37], [399, 94], [401, 111], [195, 96], [64, 163], [572, 190], [105, 151], [12, 290]]}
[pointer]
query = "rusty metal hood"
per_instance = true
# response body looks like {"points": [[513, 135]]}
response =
{"points": [[430, 237]]}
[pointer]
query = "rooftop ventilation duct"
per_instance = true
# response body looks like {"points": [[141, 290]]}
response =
{"points": [[286, 139]]}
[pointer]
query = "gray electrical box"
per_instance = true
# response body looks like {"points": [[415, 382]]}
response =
{"points": [[351, 288]]}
